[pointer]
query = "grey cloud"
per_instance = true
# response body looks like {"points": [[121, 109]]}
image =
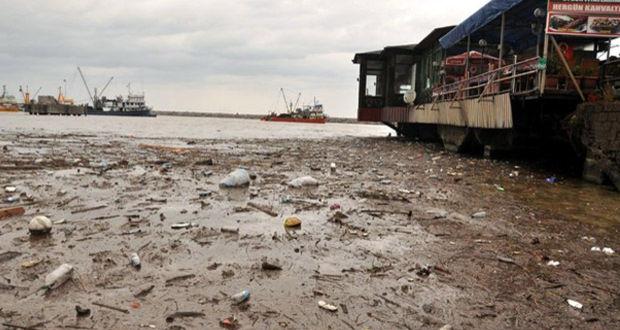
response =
{"points": [[185, 47]]}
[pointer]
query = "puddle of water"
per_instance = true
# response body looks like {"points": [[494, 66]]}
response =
{"points": [[575, 200]]}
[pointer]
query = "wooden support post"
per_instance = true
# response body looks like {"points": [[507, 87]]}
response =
{"points": [[513, 83], [543, 79], [501, 41], [567, 67], [486, 87], [467, 58]]}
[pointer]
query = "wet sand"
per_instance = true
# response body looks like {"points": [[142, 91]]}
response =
{"points": [[407, 254]]}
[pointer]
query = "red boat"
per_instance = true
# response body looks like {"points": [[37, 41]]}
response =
{"points": [[287, 119], [309, 114]]}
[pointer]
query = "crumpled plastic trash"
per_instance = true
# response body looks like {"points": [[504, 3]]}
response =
{"points": [[306, 181], [574, 304], [236, 179], [553, 263]]}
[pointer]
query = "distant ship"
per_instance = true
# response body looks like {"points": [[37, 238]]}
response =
{"points": [[311, 114], [8, 103], [133, 105]]}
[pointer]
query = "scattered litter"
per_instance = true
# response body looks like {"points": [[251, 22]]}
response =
{"points": [[143, 292], [499, 188], [170, 318], [338, 217], [134, 259], [40, 225], [552, 180], [306, 181], [241, 297], [479, 215], [60, 222], [183, 225], [230, 230], [179, 278], [514, 174], [229, 323], [206, 162], [205, 194], [270, 265], [334, 207], [424, 271], [236, 179], [82, 312], [264, 209], [437, 213], [589, 239], [31, 263], [292, 222], [11, 199], [506, 260], [114, 308], [10, 189], [11, 212], [58, 277], [553, 263], [574, 304], [327, 306], [608, 251], [332, 167]]}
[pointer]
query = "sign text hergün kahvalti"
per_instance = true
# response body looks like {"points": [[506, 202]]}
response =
{"points": [[588, 18]]}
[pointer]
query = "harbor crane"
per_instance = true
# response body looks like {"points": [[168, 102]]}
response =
{"points": [[94, 97]]}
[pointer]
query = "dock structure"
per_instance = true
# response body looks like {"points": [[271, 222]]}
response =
{"points": [[49, 105], [514, 72]]}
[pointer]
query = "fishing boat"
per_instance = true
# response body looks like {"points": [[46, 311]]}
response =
{"points": [[8, 103], [310, 114], [133, 105]]}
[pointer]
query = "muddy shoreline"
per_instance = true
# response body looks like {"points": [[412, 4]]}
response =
{"points": [[388, 237]]}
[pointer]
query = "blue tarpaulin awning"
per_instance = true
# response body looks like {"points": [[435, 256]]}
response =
{"points": [[481, 18]]}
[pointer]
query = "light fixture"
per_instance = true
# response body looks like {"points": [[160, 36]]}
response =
{"points": [[539, 13], [483, 43]]}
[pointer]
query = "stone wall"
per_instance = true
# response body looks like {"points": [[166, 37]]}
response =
{"points": [[598, 125]]}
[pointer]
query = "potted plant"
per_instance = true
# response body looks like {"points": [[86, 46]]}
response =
{"points": [[589, 80], [553, 70]]}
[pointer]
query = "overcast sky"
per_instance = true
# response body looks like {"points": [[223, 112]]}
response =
{"points": [[218, 56]]}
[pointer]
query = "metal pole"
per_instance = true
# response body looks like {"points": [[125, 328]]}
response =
{"points": [[501, 41]]}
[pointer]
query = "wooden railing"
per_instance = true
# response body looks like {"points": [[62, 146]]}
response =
{"points": [[518, 78]]}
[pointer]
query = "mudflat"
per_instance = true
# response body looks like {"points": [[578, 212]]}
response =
{"points": [[397, 235]]}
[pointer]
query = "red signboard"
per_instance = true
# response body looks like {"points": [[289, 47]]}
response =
{"points": [[588, 18]]}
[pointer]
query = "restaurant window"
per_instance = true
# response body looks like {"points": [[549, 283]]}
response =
{"points": [[402, 74], [374, 78]]}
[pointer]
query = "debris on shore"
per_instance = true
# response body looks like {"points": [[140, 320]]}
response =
{"points": [[388, 232]]}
